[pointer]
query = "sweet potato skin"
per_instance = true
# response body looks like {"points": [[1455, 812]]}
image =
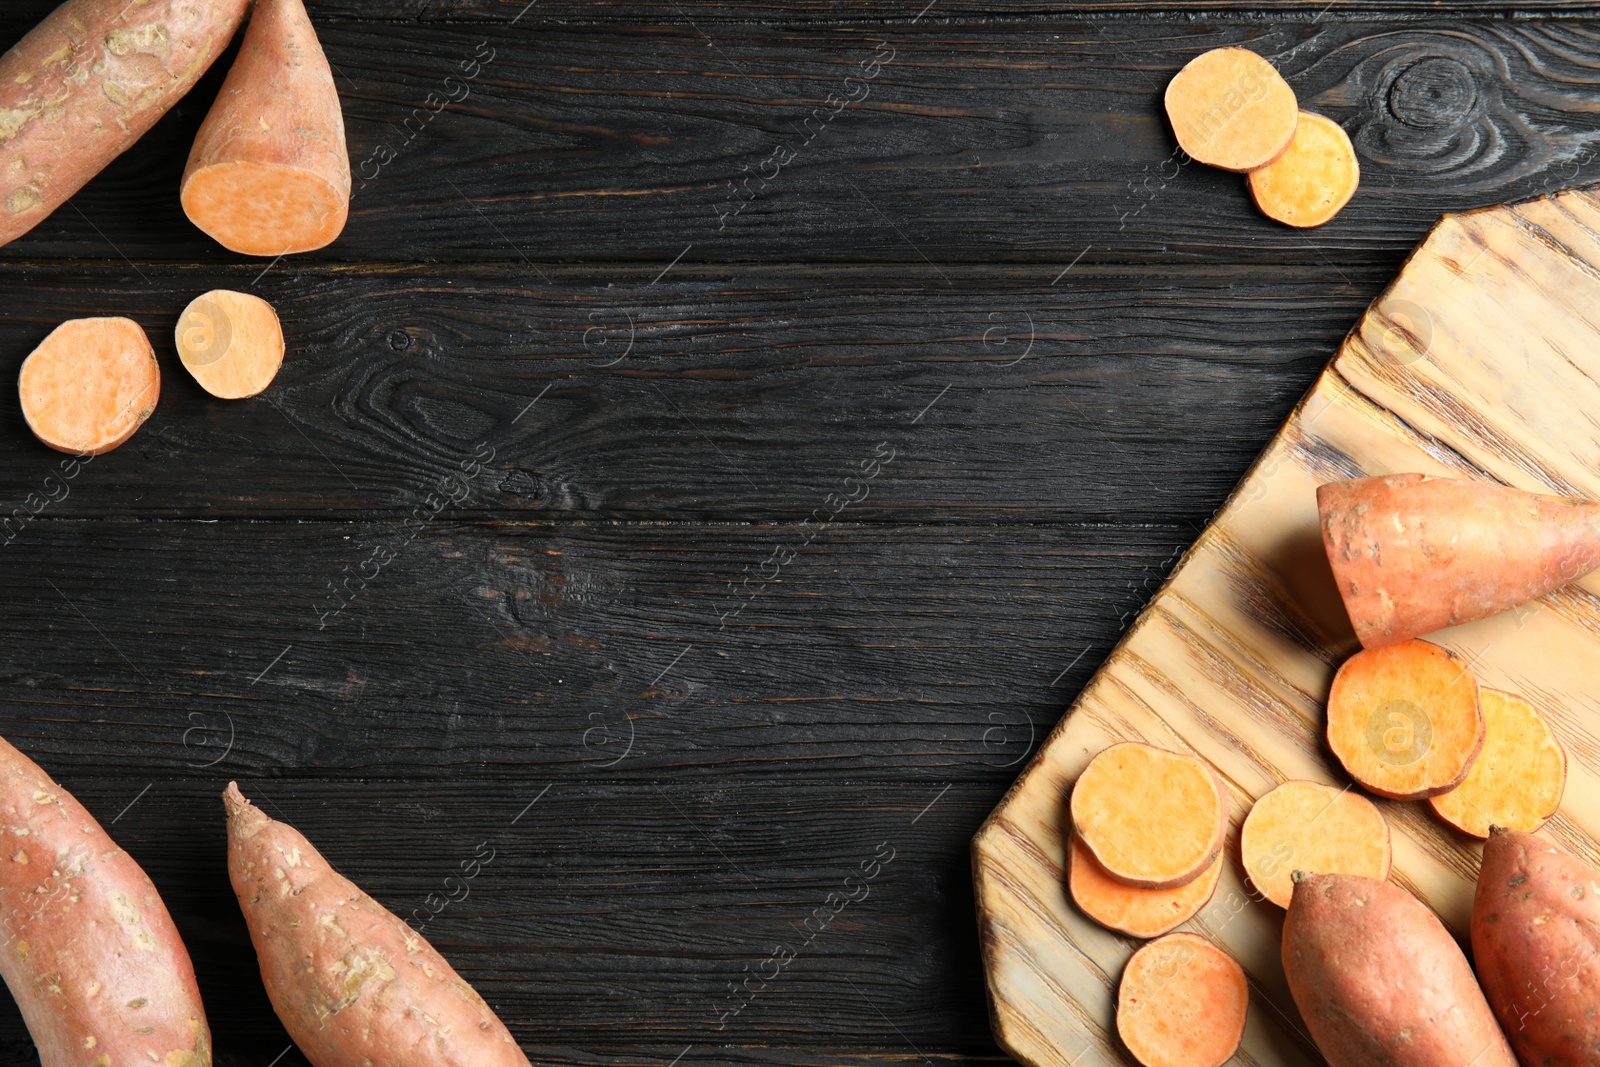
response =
{"points": [[1536, 940], [352, 983], [86, 945], [1413, 553], [88, 82], [1380, 982]]}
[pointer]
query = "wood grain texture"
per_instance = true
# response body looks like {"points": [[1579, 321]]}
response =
{"points": [[1479, 361]]}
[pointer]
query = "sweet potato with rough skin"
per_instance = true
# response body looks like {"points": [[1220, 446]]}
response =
{"points": [[1129, 909], [86, 945], [1517, 780], [1182, 1002], [1312, 827], [1380, 982], [88, 82], [1150, 817], [353, 984], [1413, 554], [269, 174], [90, 385], [1536, 940]]}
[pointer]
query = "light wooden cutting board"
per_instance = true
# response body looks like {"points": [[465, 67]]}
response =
{"points": [[1481, 359]]}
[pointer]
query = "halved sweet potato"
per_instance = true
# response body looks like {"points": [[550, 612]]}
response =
{"points": [[1230, 108], [90, 385], [1152, 818], [1313, 180], [1182, 1002], [1405, 719], [1307, 826], [1519, 777], [1129, 909]]}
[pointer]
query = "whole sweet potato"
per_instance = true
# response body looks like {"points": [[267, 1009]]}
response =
{"points": [[86, 945], [1536, 939], [1380, 981], [353, 984]]}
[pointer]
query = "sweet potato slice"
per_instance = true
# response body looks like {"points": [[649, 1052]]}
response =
{"points": [[1182, 1002], [1230, 108], [1128, 909], [1412, 553], [1307, 826], [1151, 818], [231, 342], [90, 385], [1517, 780], [269, 174], [1405, 719], [1311, 182]]}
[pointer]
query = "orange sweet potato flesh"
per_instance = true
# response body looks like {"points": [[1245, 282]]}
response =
{"points": [[90, 385], [1182, 1002], [1129, 909], [1413, 554], [1405, 720], [1150, 817], [1311, 182], [1231, 109], [231, 342], [352, 983], [86, 945], [88, 82], [1307, 826], [1518, 779], [269, 174], [1380, 982], [1536, 941]]}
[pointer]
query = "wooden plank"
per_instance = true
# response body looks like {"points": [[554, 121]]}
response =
{"points": [[746, 394], [1477, 361], [976, 142], [641, 649], [608, 902]]}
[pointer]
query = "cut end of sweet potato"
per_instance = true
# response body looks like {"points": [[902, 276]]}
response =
{"points": [[1302, 827], [1230, 108], [1517, 781], [231, 342], [265, 209], [1405, 719], [1311, 182], [1150, 817], [1182, 1002], [1137, 912], [90, 385]]}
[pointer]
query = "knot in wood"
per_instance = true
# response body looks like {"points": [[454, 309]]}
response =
{"points": [[1438, 92]]}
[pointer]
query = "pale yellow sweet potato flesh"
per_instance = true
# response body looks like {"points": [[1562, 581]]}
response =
{"points": [[231, 342], [1405, 719], [90, 385], [88, 82], [1129, 909], [1150, 817], [269, 174], [86, 945], [1517, 780], [1310, 183], [352, 983], [1230, 108], [1182, 1002], [1307, 826]]}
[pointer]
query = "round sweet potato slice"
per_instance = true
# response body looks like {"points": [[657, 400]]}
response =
{"points": [[1127, 909], [1311, 182], [1150, 817], [1405, 719], [231, 342], [1182, 1002], [1517, 780], [1307, 826], [90, 385], [1230, 108]]}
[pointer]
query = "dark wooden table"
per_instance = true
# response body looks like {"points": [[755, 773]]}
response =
{"points": [[846, 377]]}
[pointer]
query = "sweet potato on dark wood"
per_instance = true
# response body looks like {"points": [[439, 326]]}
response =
{"points": [[231, 342], [1230, 108], [1310, 183], [1380, 982], [88, 82], [90, 385], [1413, 553], [1152, 818]]}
